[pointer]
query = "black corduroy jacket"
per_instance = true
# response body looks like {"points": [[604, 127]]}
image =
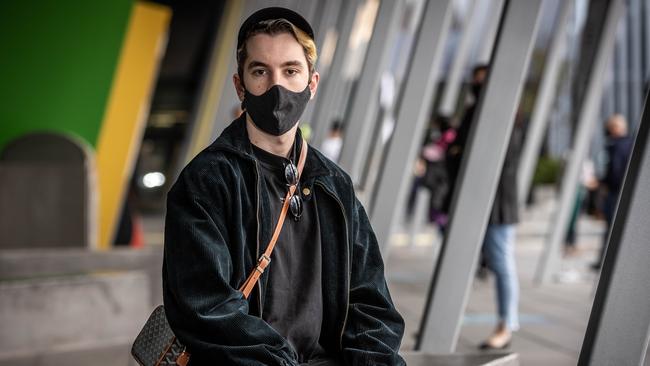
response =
{"points": [[219, 222]]}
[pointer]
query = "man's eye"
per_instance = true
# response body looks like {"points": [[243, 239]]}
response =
{"points": [[259, 72], [292, 72]]}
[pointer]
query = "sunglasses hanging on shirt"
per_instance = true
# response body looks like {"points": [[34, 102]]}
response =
{"points": [[292, 177]]}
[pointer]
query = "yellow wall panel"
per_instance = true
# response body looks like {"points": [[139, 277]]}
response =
{"points": [[127, 109]]}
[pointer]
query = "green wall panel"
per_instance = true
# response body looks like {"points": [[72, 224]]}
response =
{"points": [[57, 60]]}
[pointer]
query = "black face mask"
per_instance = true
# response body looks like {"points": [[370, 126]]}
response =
{"points": [[277, 110]]}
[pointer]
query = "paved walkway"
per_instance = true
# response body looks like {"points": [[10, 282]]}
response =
{"points": [[553, 317]]}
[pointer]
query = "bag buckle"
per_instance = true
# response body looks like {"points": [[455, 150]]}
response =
{"points": [[262, 263]]}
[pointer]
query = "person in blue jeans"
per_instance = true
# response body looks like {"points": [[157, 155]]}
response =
{"points": [[499, 249], [498, 244]]}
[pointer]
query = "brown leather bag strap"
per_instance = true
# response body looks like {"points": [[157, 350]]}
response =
{"points": [[265, 259]]}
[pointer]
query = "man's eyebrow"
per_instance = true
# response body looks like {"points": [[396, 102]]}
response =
{"points": [[292, 63], [253, 64]]}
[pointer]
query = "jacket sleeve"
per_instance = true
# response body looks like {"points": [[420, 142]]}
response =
{"points": [[374, 329], [207, 314]]}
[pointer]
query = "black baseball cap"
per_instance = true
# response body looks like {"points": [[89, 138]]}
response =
{"points": [[273, 13]]}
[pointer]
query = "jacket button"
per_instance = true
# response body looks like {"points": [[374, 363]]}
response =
{"points": [[306, 191]]}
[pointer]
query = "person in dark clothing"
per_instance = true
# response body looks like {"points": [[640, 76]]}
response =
{"points": [[433, 172], [619, 148], [497, 250], [457, 147], [324, 298], [498, 247]]}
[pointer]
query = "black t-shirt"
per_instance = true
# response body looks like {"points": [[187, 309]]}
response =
{"points": [[294, 302]]}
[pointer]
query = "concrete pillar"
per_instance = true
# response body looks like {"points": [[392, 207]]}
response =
{"points": [[486, 43], [621, 72], [634, 48], [619, 325], [417, 96], [455, 79], [603, 46], [324, 27], [483, 161], [365, 105], [546, 95], [334, 83]]}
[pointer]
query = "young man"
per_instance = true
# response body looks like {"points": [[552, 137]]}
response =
{"points": [[323, 299]]}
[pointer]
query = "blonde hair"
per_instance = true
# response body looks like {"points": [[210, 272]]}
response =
{"points": [[273, 27]]}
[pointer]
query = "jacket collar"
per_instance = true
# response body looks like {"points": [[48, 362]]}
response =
{"points": [[235, 139]]}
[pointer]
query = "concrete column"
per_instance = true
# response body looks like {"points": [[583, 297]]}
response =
{"points": [[417, 96], [472, 202], [325, 22], [420, 217], [546, 95], [226, 95], [369, 175], [587, 122], [646, 41], [609, 104], [619, 325], [489, 34], [621, 71], [634, 48], [333, 84], [365, 104], [455, 78], [307, 8], [327, 13]]}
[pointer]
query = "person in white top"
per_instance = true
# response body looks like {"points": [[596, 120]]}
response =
{"points": [[333, 142]]}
